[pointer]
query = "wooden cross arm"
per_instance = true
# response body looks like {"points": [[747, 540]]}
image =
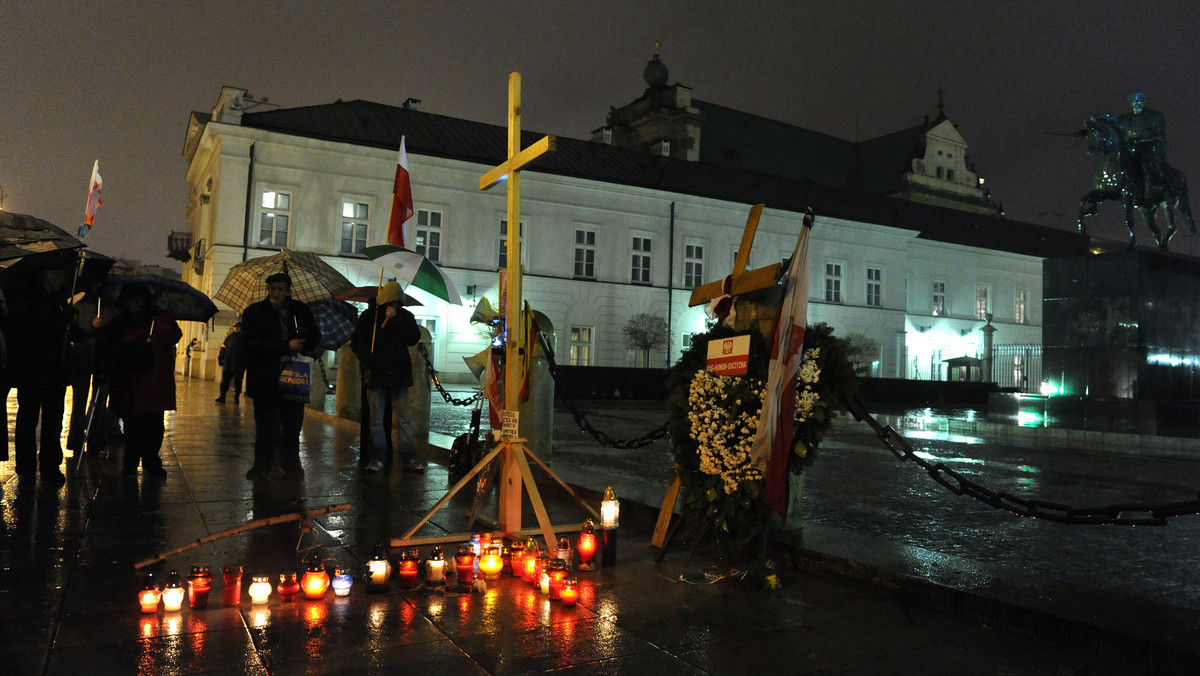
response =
{"points": [[545, 145], [746, 282]]}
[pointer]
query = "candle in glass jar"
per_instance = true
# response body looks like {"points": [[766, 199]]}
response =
{"points": [[259, 589], [173, 593], [436, 565], [231, 577], [199, 584], [288, 587], [410, 566], [464, 564], [569, 593], [149, 596], [490, 563]]}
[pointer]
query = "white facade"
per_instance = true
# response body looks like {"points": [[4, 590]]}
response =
{"points": [[886, 274]]}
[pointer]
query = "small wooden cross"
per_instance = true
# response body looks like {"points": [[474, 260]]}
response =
{"points": [[740, 281]]}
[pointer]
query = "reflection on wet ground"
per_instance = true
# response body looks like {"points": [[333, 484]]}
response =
{"points": [[68, 581]]}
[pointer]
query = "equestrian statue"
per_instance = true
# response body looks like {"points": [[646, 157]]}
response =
{"points": [[1133, 170]]}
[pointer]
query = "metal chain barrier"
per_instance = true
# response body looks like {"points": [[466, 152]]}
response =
{"points": [[581, 419], [1121, 514], [437, 382]]}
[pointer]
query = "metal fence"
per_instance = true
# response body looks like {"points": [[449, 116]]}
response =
{"points": [[1018, 366]]}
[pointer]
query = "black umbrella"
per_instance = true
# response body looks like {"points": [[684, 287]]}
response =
{"points": [[95, 267], [22, 235], [182, 301]]}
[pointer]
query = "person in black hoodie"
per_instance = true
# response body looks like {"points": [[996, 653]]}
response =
{"points": [[381, 340]]}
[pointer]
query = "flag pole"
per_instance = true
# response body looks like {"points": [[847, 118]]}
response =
{"points": [[375, 324]]}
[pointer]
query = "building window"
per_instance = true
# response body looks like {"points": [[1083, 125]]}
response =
{"points": [[982, 301], [354, 227], [429, 234], [503, 257], [640, 270], [939, 298], [273, 219], [693, 265], [1020, 308], [585, 254], [874, 287], [581, 346], [833, 282]]}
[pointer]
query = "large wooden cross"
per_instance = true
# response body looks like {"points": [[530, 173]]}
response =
{"points": [[740, 281], [514, 467]]}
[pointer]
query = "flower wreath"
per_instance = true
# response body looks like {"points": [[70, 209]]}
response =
{"points": [[713, 420]]}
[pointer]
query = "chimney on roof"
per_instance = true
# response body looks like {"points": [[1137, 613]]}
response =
{"points": [[230, 106], [412, 104]]}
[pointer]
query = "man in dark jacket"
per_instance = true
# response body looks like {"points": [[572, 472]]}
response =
{"points": [[38, 333], [381, 341], [275, 328], [232, 360]]}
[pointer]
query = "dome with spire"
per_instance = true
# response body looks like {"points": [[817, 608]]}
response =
{"points": [[655, 73]]}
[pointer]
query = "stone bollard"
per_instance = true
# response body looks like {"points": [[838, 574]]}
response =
{"points": [[349, 385]]}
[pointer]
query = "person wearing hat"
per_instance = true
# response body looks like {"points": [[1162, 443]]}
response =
{"points": [[232, 360], [381, 340], [275, 328]]}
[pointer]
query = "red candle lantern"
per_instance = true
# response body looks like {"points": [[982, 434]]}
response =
{"points": [[231, 577], [464, 564], [587, 546], [569, 593], [490, 564], [315, 581], [199, 584], [172, 596], [410, 565], [556, 574], [517, 558], [149, 596], [529, 567], [505, 557], [543, 582], [288, 587]]}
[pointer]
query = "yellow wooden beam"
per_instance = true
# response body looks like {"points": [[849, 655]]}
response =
{"points": [[546, 144]]}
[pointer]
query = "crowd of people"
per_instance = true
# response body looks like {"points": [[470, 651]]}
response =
{"points": [[120, 364]]}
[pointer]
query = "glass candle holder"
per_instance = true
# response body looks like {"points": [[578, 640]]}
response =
{"points": [[490, 564], [231, 578], [569, 592], [173, 593], [610, 509], [564, 552], [464, 564], [517, 558], [556, 574], [259, 589], [436, 568], [587, 546], [379, 570], [199, 584], [410, 566], [288, 587], [342, 582], [315, 581], [150, 595]]}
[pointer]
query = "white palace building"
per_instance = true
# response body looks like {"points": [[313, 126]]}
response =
{"points": [[907, 248]]}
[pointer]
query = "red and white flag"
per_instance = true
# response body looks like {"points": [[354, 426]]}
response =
{"points": [[772, 445], [93, 200], [402, 202]]}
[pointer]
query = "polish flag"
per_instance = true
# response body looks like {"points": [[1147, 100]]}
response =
{"points": [[772, 446], [402, 202], [93, 200]]}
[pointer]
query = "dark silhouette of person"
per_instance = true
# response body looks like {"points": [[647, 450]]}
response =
{"points": [[232, 360], [275, 328], [37, 335]]}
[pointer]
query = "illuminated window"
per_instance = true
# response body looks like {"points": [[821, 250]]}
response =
{"points": [[833, 282], [1020, 309], [982, 301], [354, 227], [274, 218], [581, 346], [939, 298], [585, 254], [874, 287], [503, 258], [429, 234], [640, 269], [693, 265]]}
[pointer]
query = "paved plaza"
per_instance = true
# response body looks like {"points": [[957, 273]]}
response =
{"points": [[68, 584]]}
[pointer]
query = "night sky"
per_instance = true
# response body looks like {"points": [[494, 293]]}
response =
{"points": [[89, 81]]}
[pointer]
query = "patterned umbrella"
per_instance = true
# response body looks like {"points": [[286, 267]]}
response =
{"points": [[184, 302], [336, 319], [21, 235], [312, 279], [417, 270]]}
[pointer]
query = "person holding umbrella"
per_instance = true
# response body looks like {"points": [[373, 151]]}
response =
{"points": [[275, 328], [381, 341], [137, 352]]}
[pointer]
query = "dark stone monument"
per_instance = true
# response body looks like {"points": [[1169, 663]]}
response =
{"points": [[1121, 341]]}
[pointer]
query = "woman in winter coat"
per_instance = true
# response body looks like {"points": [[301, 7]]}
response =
{"points": [[137, 350]]}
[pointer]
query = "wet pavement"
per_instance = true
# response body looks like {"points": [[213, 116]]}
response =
{"points": [[857, 597]]}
